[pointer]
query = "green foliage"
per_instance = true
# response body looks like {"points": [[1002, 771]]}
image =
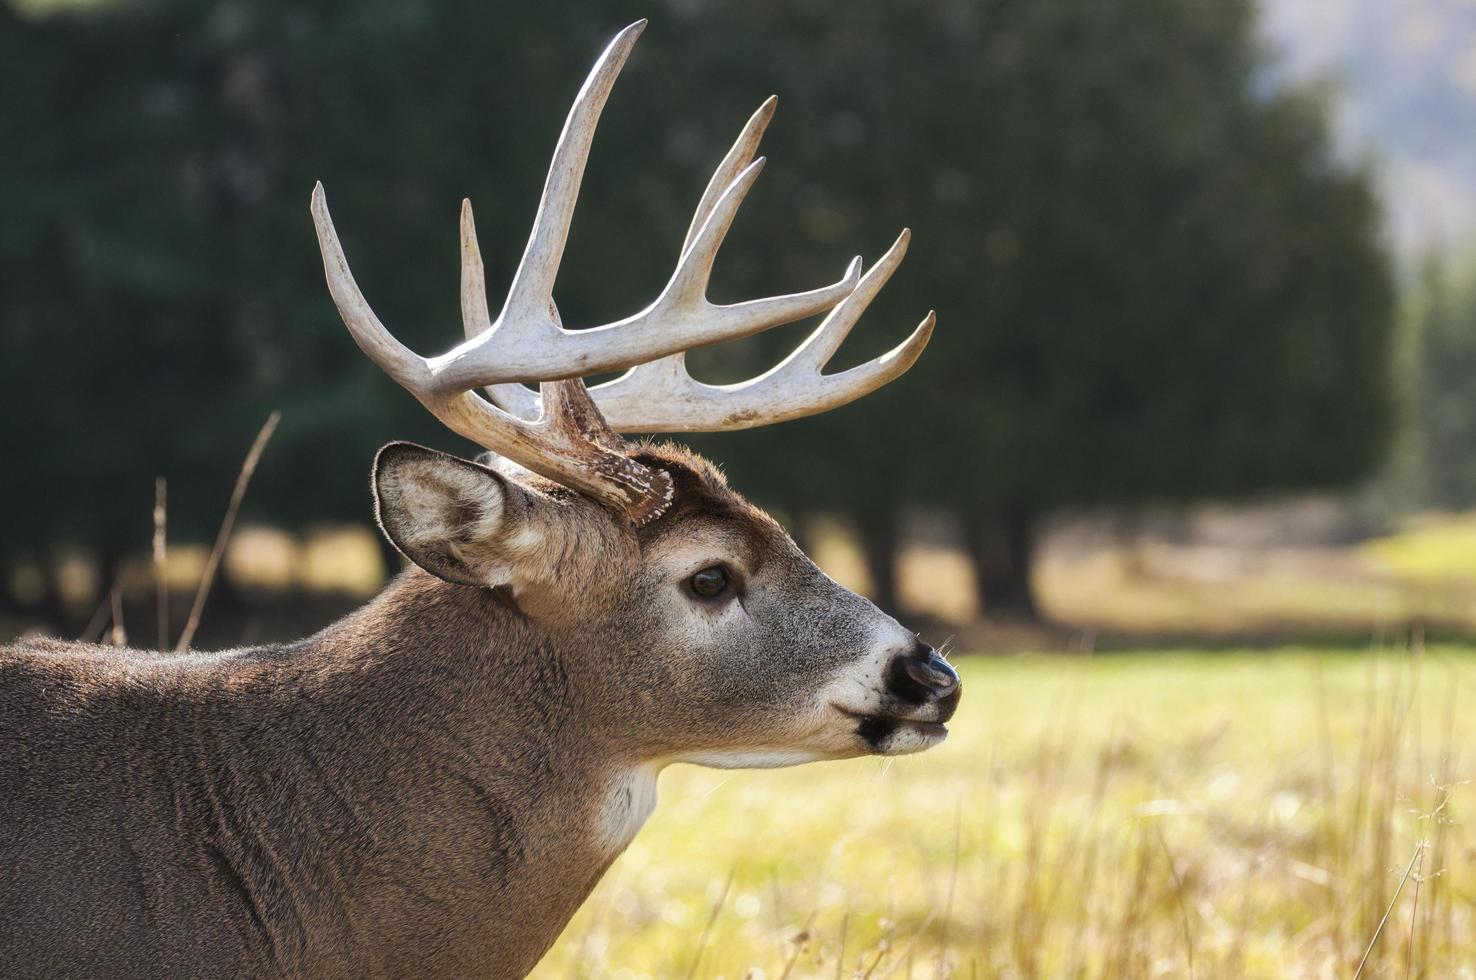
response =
{"points": [[1152, 282], [1440, 331]]}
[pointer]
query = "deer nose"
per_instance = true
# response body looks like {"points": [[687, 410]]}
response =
{"points": [[923, 675], [931, 671]]}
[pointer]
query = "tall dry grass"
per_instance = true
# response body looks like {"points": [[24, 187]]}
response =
{"points": [[1193, 815]]}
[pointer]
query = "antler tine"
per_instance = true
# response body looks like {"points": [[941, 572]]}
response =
{"points": [[662, 397], [821, 345], [529, 298], [738, 157], [398, 361], [511, 397], [475, 319]]}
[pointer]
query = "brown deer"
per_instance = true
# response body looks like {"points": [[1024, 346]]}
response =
{"points": [[432, 786]]}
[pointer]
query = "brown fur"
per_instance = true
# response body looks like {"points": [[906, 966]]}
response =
{"points": [[428, 787]]}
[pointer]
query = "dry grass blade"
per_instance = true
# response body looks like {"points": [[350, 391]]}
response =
{"points": [[119, 636], [717, 908], [1179, 894], [881, 954], [799, 946], [1414, 915], [906, 958], [586, 944], [93, 631], [840, 956], [1409, 870], [161, 560], [243, 479], [952, 884]]}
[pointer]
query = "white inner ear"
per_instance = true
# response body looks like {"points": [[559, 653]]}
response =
{"points": [[468, 525], [454, 509]]}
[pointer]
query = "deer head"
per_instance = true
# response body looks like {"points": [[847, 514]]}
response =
{"points": [[702, 632]]}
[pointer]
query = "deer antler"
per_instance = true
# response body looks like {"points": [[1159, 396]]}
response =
{"points": [[660, 396], [559, 432]]}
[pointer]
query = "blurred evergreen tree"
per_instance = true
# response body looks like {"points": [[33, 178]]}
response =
{"points": [[1153, 283], [1439, 460]]}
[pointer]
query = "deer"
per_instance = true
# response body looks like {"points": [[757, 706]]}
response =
{"points": [[433, 785]]}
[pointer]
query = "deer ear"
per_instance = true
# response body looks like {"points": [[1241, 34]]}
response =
{"points": [[455, 519]]}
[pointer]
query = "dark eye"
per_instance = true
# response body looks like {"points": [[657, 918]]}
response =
{"points": [[710, 582]]}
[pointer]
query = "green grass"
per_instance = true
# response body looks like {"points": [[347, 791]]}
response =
{"points": [[1437, 548], [1213, 815]]}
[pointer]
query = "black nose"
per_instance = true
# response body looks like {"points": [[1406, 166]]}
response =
{"points": [[923, 675], [932, 672]]}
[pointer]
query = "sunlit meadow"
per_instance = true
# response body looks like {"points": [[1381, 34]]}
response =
{"points": [[1205, 815]]}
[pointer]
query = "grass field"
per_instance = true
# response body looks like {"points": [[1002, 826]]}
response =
{"points": [[1184, 815]]}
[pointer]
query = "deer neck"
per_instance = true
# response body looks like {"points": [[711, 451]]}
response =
{"points": [[446, 792]]}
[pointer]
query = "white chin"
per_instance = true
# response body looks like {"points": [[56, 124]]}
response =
{"points": [[909, 738], [752, 758]]}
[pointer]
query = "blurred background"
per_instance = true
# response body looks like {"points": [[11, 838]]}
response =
{"points": [[1204, 377], [1201, 270]]}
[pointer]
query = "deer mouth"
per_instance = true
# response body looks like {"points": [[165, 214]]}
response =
{"points": [[880, 730]]}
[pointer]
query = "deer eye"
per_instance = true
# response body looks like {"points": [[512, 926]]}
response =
{"points": [[709, 583]]}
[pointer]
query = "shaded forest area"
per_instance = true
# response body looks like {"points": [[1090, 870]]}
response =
{"points": [[1155, 284]]}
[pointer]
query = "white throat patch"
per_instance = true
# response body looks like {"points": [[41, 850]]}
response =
{"points": [[629, 800]]}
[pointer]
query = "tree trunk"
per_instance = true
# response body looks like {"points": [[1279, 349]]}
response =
{"points": [[50, 609], [10, 604], [1001, 544], [880, 539], [109, 558]]}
